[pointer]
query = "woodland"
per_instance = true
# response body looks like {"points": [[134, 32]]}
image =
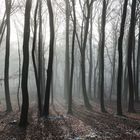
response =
{"points": [[70, 70]]}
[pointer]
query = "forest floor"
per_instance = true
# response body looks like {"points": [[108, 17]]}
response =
{"points": [[82, 125]]}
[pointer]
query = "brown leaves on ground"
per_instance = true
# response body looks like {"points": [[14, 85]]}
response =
{"points": [[82, 125], [62, 127]]}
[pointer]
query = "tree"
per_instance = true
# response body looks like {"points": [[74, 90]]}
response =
{"points": [[129, 63], [83, 49], [102, 45], [34, 60], [19, 69], [50, 61], [72, 59], [90, 53], [120, 65], [113, 77], [41, 63], [67, 73], [2, 27], [138, 67], [7, 55], [24, 83]]}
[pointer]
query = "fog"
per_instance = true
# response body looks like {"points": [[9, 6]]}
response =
{"points": [[71, 57]]}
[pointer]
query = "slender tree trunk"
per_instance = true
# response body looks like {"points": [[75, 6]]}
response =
{"points": [[34, 60], [90, 63], [86, 100], [83, 49], [67, 73], [50, 61], [7, 55], [24, 83], [130, 48], [120, 65], [72, 60], [40, 53], [52, 91], [114, 70], [134, 64], [138, 68], [19, 68], [125, 85], [101, 73]]}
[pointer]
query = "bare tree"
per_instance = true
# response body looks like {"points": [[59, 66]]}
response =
{"points": [[50, 61], [67, 73], [72, 59], [130, 48], [120, 65], [7, 55], [24, 83], [83, 49], [138, 67], [101, 65]]}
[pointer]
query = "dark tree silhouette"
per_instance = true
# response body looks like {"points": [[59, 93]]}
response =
{"points": [[102, 56], [120, 65], [24, 83], [138, 67], [72, 59], [40, 55], [129, 63], [7, 55], [34, 60], [83, 49], [50, 61], [67, 65], [91, 57]]}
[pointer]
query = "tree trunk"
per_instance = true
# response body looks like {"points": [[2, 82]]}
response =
{"points": [[19, 69], [138, 68], [90, 63], [50, 61], [72, 60], [113, 78], [67, 73], [120, 62], [101, 73], [130, 49], [24, 83], [83, 49], [7, 55], [34, 60]]}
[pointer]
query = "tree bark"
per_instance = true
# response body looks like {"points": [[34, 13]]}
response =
{"points": [[101, 73], [50, 61], [120, 62], [83, 49], [130, 49], [138, 68], [34, 60], [72, 60], [24, 83], [91, 61], [67, 73], [7, 56]]}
